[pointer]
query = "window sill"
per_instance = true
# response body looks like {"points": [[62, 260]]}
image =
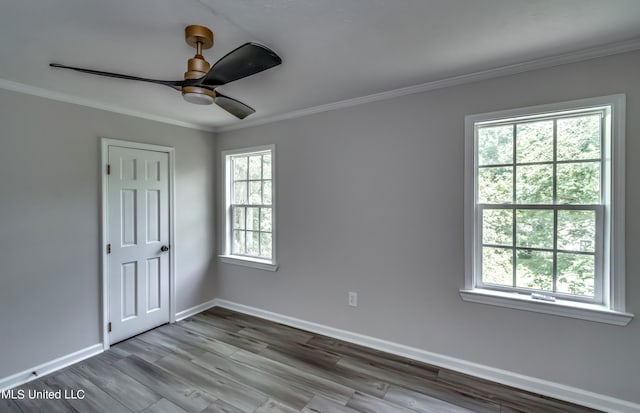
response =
{"points": [[249, 262], [590, 312]]}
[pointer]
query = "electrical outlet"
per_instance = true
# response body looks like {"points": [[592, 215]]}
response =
{"points": [[353, 299]]}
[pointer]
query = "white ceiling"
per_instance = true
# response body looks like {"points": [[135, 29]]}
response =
{"points": [[332, 50]]}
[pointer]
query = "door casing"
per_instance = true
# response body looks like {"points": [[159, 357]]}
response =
{"points": [[104, 230]]}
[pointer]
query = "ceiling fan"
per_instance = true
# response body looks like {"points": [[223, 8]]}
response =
{"points": [[201, 79]]}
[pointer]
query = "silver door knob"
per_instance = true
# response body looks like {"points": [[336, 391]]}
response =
{"points": [[164, 248]]}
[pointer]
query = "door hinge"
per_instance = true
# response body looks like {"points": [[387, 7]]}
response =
{"points": [[108, 169], [108, 248], [109, 327]]}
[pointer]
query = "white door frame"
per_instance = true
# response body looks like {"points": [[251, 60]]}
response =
{"points": [[105, 144]]}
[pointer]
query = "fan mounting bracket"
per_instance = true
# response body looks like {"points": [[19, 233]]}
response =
{"points": [[198, 34]]}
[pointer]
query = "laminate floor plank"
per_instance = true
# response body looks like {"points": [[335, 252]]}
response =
{"points": [[220, 406], [271, 338], [254, 323], [426, 404], [312, 355], [171, 345], [321, 405], [507, 396], [272, 406], [384, 360], [221, 311], [539, 404], [144, 350], [190, 338], [236, 321], [118, 385], [303, 379], [34, 404], [111, 356], [273, 327], [94, 399], [280, 388], [438, 393], [207, 330], [218, 321], [165, 384], [164, 406], [369, 404], [335, 373], [120, 352], [507, 409], [237, 394], [9, 406], [352, 349], [389, 376]]}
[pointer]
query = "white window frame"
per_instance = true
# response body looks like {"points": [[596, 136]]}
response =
{"points": [[227, 256], [611, 307]]}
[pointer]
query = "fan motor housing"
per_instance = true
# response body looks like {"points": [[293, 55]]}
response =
{"points": [[197, 67], [198, 37]]}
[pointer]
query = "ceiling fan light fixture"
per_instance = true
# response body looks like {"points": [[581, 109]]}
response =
{"points": [[201, 80], [198, 95]]}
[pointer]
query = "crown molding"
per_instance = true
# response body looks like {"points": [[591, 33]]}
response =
{"points": [[542, 63], [67, 98]]}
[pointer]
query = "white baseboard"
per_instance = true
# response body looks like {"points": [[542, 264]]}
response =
{"points": [[49, 367], [181, 315], [539, 386]]}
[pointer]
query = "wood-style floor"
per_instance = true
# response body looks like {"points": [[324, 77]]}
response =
{"points": [[222, 361]]}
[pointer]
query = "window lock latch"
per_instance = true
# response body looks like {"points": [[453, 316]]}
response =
{"points": [[543, 297]]}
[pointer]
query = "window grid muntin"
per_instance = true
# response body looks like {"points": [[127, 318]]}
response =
{"points": [[233, 206], [598, 279], [555, 211], [245, 230], [514, 197], [506, 165], [598, 208]]}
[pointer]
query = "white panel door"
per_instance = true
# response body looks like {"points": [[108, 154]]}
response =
{"points": [[138, 232]]}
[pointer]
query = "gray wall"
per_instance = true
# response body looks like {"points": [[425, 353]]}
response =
{"points": [[370, 199], [50, 285]]}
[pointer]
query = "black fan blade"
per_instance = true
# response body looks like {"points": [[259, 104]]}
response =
{"points": [[246, 60], [177, 84], [236, 108]]}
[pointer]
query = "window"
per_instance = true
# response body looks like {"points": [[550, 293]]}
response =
{"points": [[545, 209], [250, 207]]}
